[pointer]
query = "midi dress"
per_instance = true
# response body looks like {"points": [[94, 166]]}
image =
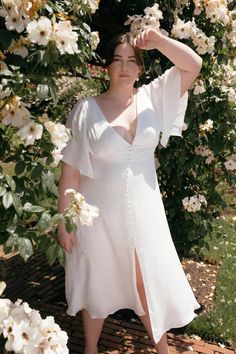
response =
{"points": [[119, 178]]}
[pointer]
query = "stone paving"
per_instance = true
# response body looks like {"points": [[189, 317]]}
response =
{"points": [[42, 287]]}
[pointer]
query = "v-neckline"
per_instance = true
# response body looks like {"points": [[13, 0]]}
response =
{"points": [[113, 129]]}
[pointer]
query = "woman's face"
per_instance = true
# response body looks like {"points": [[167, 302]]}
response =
{"points": [[124, 68]]}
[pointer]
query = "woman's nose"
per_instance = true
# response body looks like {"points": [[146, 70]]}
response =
{"points": [[123, 65]]}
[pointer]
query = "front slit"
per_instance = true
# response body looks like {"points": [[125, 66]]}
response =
{"points": [[139, 282], [140, 285]]}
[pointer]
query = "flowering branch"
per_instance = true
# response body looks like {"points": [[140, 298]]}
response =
{"points": [[78, 207], [26, 332]]}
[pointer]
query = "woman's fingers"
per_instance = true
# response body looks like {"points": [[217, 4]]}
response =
{"points": [[68, 242], [68, 246], [146, 39], [73, 239], [141, 39]]}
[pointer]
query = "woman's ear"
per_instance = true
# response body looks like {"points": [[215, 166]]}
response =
{"points": [[140, 71]]}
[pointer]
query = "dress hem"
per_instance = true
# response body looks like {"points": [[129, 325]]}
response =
{"points": [[179, 324], [157, 338], [110, 312]]}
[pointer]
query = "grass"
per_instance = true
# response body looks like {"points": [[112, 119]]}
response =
{"points": [[219, 324]]}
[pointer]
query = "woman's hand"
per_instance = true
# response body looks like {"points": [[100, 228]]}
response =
{"points": [[182, 56], [148, 39], [66, 240], [69, 179]]}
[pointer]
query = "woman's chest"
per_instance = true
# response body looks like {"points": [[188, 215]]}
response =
{"points": [[121, 117], [123, 133]]}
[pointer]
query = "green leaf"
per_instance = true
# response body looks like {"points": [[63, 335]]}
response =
{"points": [[207, 245], [61, 256], [12, 243], [192, 235], [6, 72], [47, 7], [5, 38], [48, 180], [2, 191], [44, 243], [55, 219], [53, 90], [25, 248], [52, 253], [42, 91], [32, 208], [36, 172], [205, 224], [20, 167], [11, 229], [7, 200], [17, 204], [50, 159], [47, 147], [44, 222], [70, 225], [11, 183]]}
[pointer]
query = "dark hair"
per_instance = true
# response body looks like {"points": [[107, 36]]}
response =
{"points": [[123, 38]]}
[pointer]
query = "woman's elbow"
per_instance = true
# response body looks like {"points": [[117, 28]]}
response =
{"points": [[197, 65]]}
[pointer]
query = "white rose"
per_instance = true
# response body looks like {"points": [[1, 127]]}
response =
{"points": [[5, 306], [65, 38], [230, 165], [40, 31], [14, 23], [94, 39], [2, 287], [153, 11], [88, 213], [199, 87], [15, 113], [181, 29], [30, 132], [210, 157]]}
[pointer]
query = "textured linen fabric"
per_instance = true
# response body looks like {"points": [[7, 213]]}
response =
{"points": [[120, 179]]}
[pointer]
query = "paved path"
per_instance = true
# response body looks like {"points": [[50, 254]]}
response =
{"points": [[42, 287]]}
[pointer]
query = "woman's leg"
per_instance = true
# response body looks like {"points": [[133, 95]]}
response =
{"points": [[92, 331], [161, 346]]}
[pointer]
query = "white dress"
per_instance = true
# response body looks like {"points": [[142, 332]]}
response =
{"points": [[120, 179]]}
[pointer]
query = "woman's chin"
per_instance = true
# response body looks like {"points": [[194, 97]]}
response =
{"points": [[125, 81]]}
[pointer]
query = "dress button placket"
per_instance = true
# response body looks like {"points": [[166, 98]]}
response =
{"points": [[129, 204]]}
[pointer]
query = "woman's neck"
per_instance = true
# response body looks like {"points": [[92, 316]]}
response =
{"points": [[122, 94]]}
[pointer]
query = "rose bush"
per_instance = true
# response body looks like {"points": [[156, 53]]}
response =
{"points": [[25, 332], [42, 41], [194, 167], [39, 41]]}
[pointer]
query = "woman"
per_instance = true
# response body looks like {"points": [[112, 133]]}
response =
{"points": [[127, 258]]}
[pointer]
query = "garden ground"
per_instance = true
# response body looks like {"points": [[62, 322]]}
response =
{"points": [[42, 286]]}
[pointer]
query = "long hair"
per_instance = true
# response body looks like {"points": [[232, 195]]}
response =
{"points": [[123, 38]]}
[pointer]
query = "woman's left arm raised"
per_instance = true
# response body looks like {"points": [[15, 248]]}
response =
{"points": [[179, 54]]}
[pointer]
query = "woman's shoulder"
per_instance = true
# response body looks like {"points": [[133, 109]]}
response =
{"points": [[101, 97], [82, 102], [82, 105], [87, 101]]}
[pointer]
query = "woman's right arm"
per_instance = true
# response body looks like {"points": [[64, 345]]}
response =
{"points": [[69, 179]]}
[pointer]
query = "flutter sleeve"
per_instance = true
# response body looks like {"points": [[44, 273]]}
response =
{"points": [[77, 151], [169, 106]]}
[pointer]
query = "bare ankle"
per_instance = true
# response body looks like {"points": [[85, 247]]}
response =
{"points": [[90, 349]]}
